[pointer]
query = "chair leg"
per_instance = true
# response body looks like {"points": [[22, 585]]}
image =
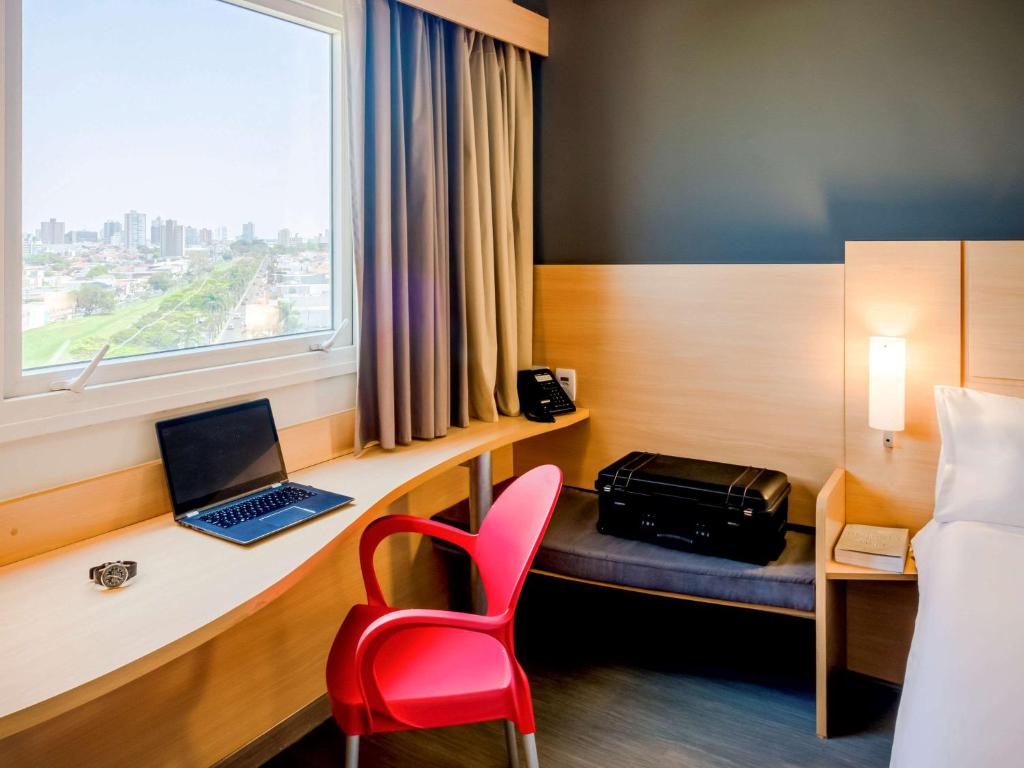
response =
{"points": [[510, 743], [530, 744], [351, 752]]}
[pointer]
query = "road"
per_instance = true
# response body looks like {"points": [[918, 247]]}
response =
{"points": [[234, 328]]}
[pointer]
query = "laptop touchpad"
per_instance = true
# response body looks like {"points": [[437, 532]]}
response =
{"points": [[286, 516]]}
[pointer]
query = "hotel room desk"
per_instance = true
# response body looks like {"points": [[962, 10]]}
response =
{"points": [[66, 641]]}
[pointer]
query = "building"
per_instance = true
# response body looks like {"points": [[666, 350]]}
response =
{"points": [[156, 231], [205, 236], [284, 237], [191, 237], [222, 234], [134, 229], [248, 232], [82, 236], [172, 240], [110, 230], [52, 232]]}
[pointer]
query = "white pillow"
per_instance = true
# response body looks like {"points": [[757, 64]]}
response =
{"points": [[981, 467]]}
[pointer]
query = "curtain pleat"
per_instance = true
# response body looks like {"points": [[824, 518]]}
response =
{"points": [[445, 258]]}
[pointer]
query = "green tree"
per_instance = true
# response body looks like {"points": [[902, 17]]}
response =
{"points": [[95, 299], [99, 269], [161, 281]]}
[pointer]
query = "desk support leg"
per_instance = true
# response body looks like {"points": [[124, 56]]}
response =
{"points": [[481, 493]]}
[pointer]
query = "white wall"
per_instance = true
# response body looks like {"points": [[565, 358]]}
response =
{"points": [[59, 458]]}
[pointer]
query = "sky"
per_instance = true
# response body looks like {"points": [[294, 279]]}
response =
{"points": [[194, 110]]}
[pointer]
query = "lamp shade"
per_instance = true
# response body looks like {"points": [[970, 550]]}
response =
{"points": [[887, 383]]}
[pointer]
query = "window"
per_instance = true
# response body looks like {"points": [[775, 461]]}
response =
{"points": [[174, 183]]}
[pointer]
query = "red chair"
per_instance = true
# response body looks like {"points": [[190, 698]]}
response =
{"points": [[392, 669]]}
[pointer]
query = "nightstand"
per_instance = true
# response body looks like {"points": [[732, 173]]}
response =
{"points": [[832, 607]]}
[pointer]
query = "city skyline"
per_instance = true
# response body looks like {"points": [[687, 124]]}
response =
{"points": [[111, 227], [242, 101]]}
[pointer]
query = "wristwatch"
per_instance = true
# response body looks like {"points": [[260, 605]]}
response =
{"points": [[113, 574]]}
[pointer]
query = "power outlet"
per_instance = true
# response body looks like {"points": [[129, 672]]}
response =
{"points": [[567, 378]]}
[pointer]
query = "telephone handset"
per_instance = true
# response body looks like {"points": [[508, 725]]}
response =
{"points": [[541, 397]]}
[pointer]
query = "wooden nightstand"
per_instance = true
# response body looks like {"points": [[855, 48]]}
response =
{"points": [[831, 580]]}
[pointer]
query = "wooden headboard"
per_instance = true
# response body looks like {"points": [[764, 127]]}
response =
{"points": [[994, 317], [960, 305]]}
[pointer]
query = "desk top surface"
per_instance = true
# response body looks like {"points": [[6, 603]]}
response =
{"points": [[66, 641]]}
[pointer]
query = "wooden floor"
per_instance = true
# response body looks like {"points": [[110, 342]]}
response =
{"points": [[630, 681]]}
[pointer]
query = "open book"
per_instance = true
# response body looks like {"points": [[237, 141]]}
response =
{"points": [[872, 546]]}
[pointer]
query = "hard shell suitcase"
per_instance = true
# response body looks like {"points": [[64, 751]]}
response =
{"points": [[724, 510]]}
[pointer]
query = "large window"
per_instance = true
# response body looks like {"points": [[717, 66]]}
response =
{"points": [[173, 182]]}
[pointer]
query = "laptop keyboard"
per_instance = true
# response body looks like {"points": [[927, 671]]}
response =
{"points": [[250, 509]]}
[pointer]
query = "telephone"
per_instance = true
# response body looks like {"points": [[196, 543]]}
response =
{"points": [[541, 397]]}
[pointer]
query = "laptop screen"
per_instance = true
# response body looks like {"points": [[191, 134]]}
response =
{"points": [[215, 455]]}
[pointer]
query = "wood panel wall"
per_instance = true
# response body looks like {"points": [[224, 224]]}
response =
{"points": [[735, 363], [209, 703], [911, 290], [994, 316]]}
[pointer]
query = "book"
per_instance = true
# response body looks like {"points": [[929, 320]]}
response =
{"points": [[873, 546]]}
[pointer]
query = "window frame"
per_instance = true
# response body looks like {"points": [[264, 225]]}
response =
{"points": [[143, 384]]}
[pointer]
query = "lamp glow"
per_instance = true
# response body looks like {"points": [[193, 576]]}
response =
{"points": [[887, 385]]}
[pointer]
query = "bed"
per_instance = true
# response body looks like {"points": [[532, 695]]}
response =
{"points": [[965, 673]]}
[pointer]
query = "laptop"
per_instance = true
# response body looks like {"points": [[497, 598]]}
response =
{"points": [[226, 475]]}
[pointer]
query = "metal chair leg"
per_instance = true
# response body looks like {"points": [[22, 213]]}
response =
{"points": [[351, 752], [530, 744], [511, 745]]}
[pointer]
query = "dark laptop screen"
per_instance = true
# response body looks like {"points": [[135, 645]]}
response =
{"points": [[212, 456]]}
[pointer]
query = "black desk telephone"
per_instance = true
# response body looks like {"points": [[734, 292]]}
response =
{"points": [[541, 397]]}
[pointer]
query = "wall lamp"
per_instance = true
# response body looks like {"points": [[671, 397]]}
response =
{"points": [[887, 386]]}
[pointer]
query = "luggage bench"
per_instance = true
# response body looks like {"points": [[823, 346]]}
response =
{"points": [[573, 549]]}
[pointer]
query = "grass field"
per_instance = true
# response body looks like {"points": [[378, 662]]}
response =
{"points": [[77, 340], [48, 345]]}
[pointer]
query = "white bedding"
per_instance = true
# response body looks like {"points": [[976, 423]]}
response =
{"points": [[961, 702]]}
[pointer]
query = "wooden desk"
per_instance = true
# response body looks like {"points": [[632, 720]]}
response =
{"points": [[66, 642]]}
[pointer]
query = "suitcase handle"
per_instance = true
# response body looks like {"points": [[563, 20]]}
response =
{"points": [[643, 458]]}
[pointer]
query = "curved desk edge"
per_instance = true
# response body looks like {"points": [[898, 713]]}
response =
{"points": [[376, 478]]}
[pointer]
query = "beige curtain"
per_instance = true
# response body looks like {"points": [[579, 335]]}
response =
{"points": [[497, 144], [444, 224]]}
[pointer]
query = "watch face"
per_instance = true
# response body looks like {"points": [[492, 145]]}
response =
{"points": [[114, 576]]}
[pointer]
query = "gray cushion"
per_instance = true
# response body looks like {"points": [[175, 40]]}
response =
{"points": [[573, 547]]}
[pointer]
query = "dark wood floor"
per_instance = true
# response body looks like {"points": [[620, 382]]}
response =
{"points": [[629, 681]]}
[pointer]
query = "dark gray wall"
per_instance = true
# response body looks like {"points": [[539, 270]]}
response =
{"points": [[773, 130]]}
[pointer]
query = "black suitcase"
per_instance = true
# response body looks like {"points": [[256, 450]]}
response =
{"points": [[716, 509]]}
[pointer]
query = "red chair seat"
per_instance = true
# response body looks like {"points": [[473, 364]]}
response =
{"points": [[430, 677]]}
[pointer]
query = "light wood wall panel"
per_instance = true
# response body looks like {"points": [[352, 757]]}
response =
{"points": [[994, 316], [735, 363], [40, 522], [912, 290], [208, 703]]}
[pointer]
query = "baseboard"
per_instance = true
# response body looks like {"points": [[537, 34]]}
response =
{"points": [[280, 737]]}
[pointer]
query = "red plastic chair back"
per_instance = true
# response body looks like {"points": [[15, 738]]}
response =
{"points": [[511, 534]]}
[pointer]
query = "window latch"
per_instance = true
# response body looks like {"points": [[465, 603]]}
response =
{"points": [[327, 345], [78, 383]]}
